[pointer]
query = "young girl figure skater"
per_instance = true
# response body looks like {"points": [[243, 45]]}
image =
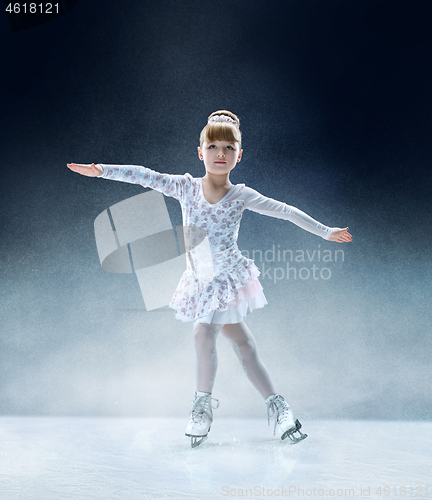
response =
{"points": [[220, 303]]}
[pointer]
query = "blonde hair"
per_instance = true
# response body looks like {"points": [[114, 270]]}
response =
{"points": [[221, 130]]}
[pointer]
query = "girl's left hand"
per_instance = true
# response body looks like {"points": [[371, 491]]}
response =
{"points": [[339, 235]]}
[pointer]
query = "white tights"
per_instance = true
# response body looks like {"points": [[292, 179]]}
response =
{"points": [[244, 345]]}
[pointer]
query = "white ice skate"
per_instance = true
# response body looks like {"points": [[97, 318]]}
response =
{"points": [[276, 405], [201, 418]]}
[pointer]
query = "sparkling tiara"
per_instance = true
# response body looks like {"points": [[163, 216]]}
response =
{"points": [[222, 118]]}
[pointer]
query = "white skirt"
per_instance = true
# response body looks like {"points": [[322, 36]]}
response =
{"points": [[250, 297]]}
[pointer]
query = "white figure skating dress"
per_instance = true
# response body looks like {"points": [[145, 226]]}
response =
{"points": [[219, 285]]}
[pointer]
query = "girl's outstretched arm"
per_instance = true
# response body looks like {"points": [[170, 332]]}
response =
{"points": [[169, 185], [268, 206], [340, 235]]}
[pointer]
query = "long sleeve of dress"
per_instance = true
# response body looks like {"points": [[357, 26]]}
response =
{"points": [[167, 184], [267, 206]]}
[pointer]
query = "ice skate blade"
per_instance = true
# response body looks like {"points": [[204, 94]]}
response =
{"points": [[290, 434], [197, 440]]}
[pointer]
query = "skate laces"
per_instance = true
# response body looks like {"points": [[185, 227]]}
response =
{"points": [[201, 405], [277, 405]]}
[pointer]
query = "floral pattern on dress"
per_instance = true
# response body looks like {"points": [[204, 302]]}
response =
{"points": [[216, 268]]}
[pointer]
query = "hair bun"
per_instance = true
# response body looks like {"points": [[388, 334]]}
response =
{"points": [[225, 113]]}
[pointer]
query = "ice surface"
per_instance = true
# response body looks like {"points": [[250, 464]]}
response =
{"points": [[112, 458]]}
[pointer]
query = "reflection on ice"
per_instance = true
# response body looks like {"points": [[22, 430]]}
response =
{"points": [[108, 458]]}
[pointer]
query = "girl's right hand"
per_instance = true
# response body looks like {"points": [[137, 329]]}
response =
{"points": [[88, 170]]}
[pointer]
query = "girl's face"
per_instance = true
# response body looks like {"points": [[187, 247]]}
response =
{"points": [[220, 157]]}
